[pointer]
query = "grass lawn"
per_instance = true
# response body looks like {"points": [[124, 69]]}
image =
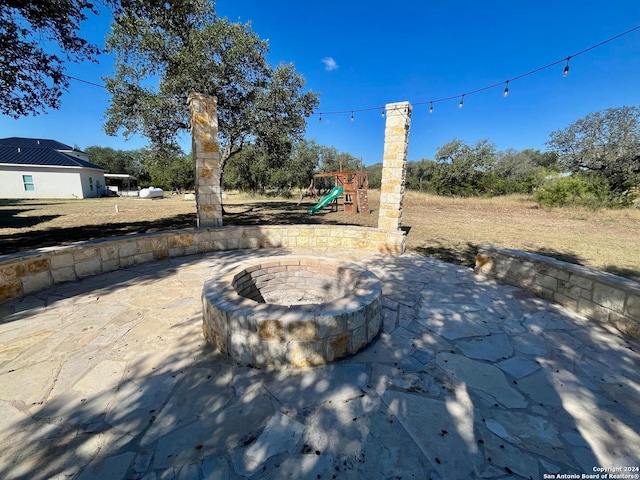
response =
{"points": [[446, 228]]}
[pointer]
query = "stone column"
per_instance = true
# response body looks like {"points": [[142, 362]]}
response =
{"points": [[204, 137], [394, 164]]}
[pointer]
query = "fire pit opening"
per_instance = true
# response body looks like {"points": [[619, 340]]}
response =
{"points": [[291, 310]]}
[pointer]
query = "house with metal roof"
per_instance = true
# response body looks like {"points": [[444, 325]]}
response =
{"points": [[40, 168]]}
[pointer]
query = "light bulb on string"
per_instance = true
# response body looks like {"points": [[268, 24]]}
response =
{"points": [[382, 114], [461, 101], [431, 108], [320, 118], [352, 116], [506, 90], [565, 72]]}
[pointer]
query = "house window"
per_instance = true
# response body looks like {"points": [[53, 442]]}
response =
{"points": [[27, 181], [91, 183]]}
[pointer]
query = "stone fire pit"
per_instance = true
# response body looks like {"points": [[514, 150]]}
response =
{"points": [[291, 310]]}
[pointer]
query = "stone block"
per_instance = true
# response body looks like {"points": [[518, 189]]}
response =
{"points": [[13, 271], [35, 282], [546, 282], [143, 258], [395, 118], [127, 261], [302, 242], [593, 310], [302, 330], [322, 242], [271, 353], [347, 243], [150, 244], [61, 260], [128, 248], [567, 289], [541, 291], [160, 254], [64, 274], [110, 265], [390, 213], [37, 266], [608, 297], [565, 301], [390, 198], [109, 252], [10, 289], [484, 264], [180, 240], [240, 346], [305, 354], [373, 326], [271, 330], [205, 174], [176, 252], [581, 282], [628, 326], [206, 189], [633, 306], [502, 266], [396, 132], [210, 147], [388, 223], [203, 209], [88, 267], [338, 346], [249, 243], [355, 319], [85, 253], [554, 272], [358, 339]]}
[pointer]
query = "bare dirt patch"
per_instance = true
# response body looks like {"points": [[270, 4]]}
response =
{"points": [[446, 228]]}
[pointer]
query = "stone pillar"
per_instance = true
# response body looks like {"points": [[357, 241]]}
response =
{"points": [[394, 164], [204, 137]]}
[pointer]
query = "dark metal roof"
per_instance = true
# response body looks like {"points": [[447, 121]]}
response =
{"points": [[35, 143], [31, 151]]}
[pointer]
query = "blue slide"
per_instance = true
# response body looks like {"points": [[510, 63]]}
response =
{"points": [[326, 200]]}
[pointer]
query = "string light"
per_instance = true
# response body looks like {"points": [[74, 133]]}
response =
{"points": [[565, 72], [505, 92], [506, 89]]}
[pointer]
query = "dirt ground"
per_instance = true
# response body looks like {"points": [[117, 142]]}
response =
{"points": [[446, 228]]}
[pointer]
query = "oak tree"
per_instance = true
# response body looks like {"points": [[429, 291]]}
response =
{"points": [[605, 144], [166, 50], [37, 40]]}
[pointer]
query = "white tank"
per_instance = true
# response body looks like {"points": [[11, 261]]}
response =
{"points": [[151, 192]]}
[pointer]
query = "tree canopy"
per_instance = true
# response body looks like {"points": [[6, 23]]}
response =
{"points": [[164, 51], [37, 39], [605, 144], [118, 161]]}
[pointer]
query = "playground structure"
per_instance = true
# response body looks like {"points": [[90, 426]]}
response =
{"points": [[349, 192]]}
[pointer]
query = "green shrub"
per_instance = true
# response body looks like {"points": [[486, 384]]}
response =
{"points": [[578, 190]]}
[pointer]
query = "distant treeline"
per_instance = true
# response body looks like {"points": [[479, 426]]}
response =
{"points": [[595, 162]]}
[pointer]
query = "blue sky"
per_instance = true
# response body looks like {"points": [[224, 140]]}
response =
{"points": [[361, 55]]}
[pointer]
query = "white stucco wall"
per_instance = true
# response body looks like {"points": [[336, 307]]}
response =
{"points": [[89, 178], [49, 182]]}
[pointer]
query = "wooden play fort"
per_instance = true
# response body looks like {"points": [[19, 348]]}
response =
{"points": [[352, 185]]}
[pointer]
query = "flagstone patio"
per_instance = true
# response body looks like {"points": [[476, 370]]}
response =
{"points": [[110, 377]]}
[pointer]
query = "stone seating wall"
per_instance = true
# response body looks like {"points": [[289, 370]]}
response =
{"points": [[597, 295], [27, 272]]}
